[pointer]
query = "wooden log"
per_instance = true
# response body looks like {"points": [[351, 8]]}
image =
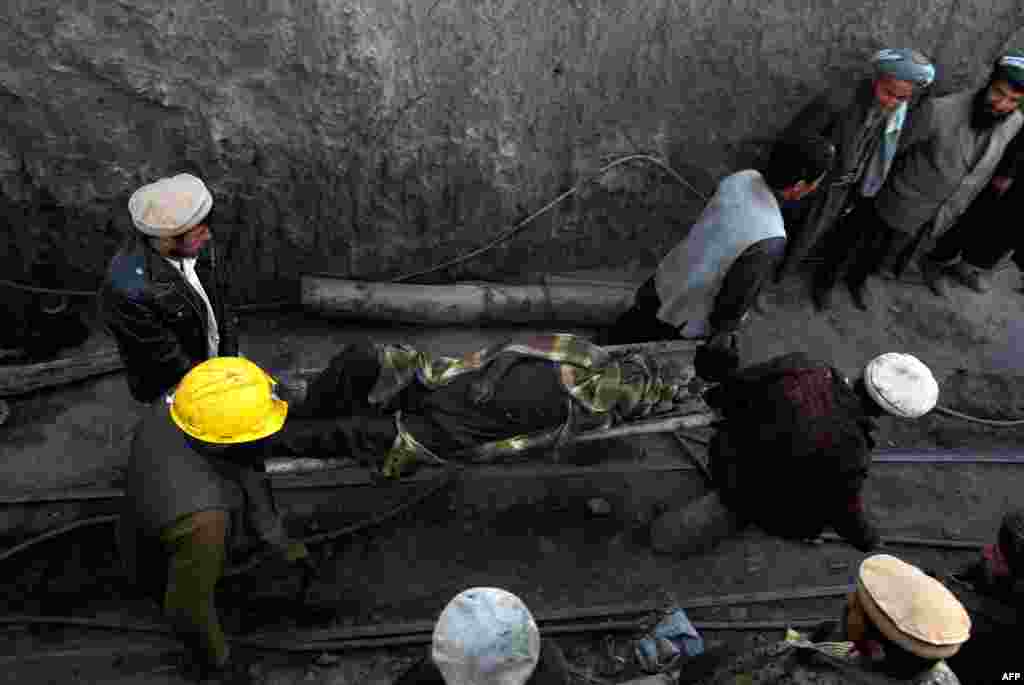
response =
{"points": [[587, 303], [18, 379]]}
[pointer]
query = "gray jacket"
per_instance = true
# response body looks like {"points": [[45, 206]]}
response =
{"points": [[936, 177]]}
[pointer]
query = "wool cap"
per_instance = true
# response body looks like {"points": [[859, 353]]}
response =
{"points": [[901, 384], [170, 206], [911, 608], [486, 636], [904, 64]]}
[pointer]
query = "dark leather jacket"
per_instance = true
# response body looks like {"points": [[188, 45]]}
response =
{"points": [[158, 320]]}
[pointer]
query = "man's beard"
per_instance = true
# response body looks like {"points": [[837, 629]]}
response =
{"points": [[983, 118]]}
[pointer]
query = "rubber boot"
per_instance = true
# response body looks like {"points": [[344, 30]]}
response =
{"points": [[694, 528]]}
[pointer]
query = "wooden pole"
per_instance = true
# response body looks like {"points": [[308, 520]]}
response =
{"points": [[18, 379], [590, 303]]}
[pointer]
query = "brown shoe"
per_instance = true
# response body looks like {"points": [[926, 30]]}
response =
{"points": [[934, 275]]}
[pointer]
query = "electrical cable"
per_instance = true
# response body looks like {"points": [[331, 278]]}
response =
{"points": [[974, 419], [525, 222]]}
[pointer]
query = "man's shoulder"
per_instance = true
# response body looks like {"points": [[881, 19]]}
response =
{"points": [[129, 273]]}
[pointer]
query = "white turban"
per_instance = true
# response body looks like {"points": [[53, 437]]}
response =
{"points": [[901, 384], [486, 636], [170, 206]]}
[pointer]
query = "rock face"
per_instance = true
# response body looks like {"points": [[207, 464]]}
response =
{"points": [[372, 137]]}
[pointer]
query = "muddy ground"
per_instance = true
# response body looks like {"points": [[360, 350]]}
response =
{"points": [[546, 546]]}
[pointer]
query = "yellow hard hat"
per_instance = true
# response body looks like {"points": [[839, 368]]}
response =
{"points": [[227, 400]]}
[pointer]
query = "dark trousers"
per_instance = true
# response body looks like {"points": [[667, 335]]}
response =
{"points": [[863, 244], [985, 232], [743, 281]]}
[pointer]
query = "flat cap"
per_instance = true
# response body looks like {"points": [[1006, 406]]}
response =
{"points": [[911, 608], [170, 206]]}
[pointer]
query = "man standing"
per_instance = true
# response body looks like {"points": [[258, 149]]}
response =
{"points": [[953, 145], [898, 626], [163, 296], [706, 284], [791, 422], [865, 128]]}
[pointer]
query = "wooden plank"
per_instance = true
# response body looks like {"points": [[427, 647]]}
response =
{"points": [[19, 379]]}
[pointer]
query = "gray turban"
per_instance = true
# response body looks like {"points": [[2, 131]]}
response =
{"points": [[904, 65]]}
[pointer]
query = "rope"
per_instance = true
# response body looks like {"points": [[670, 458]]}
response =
{"points": [[443, 481], [572, 191], [974, 419], [47, 291]]}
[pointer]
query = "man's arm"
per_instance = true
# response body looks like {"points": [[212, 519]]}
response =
{"points": [[147, 347], [919, 126]]}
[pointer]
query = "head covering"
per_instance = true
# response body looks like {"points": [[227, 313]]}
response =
{"points": [[486, 636], [170, 206], [911, 608], [904, 64], [1011, 68], [901, 384], [1011, 541]]}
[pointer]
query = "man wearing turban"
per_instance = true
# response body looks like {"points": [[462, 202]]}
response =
{"points": [[865, 126], [951, 149], [971, 249]]}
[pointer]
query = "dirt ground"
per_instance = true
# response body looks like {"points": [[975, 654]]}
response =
{"points": [[548, 547]]}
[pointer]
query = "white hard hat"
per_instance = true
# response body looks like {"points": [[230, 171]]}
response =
{"points": [[486, 636], [901, 384]]}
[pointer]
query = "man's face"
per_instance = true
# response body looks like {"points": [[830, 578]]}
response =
{"points": [[890, 92], [994, 104], [190, 243], [1002, 98]]}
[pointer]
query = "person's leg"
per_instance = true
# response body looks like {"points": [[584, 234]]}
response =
{"points": [[844, 240], [743, 281], [868, 252], [196, 545], [640, 323], [262, 517]]}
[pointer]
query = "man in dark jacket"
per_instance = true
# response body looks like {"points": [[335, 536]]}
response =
{"points": [[394, 407], [794, 450], [970, 250], [192, 466], [992, 590], [865, 127], [163, 296], [487, 636]]}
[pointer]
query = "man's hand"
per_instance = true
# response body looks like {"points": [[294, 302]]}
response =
{"points": [[1001, 183], [481, 391]]}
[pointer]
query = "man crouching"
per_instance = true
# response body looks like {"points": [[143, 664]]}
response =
{"points": [[795, 449]]}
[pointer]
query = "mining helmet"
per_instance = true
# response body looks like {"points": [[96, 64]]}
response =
{"points": [[228, 400]]}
